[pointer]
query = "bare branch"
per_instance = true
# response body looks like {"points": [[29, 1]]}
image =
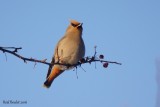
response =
{"points": [[14, 50]]}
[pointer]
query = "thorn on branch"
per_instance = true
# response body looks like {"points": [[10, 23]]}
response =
{"points": [[44, 60], [15, 50], [24, 60]]}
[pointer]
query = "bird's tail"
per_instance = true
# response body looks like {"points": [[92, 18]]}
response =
{"points": [[55, 73]]}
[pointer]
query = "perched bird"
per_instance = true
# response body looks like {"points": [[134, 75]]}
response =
{"points": [[69, 50]]}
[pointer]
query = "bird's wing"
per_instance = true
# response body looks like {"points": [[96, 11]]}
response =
{"points": [[50, 67], [53, 58]]}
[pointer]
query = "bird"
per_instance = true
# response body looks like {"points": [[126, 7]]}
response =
{"points": [[69, 50]]}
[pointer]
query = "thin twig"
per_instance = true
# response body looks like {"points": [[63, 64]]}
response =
{"points": [[95, 52], [82, 68], [35, 65], [76, 73], [5, 56]]}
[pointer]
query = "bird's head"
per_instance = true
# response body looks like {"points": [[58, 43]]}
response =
{"points": [[75, 27]]}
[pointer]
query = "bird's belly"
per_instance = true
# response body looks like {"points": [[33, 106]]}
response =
{"points": [[70, 52]]}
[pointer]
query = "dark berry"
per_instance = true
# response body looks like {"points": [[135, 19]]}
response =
{"points": [[82, 60], [101, 56], [105, 65]]}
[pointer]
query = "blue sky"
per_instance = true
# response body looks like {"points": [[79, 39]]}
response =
{"points": [[123, 30]]}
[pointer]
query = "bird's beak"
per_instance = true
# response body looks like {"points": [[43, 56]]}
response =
{"points": [[80, 24]]}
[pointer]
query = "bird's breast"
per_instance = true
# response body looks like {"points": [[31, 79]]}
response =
{"points": [[71, 50]]}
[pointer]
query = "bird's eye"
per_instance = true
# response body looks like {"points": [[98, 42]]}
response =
{"points": [[73, 25]]}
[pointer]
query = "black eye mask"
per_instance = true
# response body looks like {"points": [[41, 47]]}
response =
{"points": [[73, 25]]}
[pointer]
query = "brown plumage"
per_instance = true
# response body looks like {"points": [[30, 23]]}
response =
{"points": [[69, 50]]}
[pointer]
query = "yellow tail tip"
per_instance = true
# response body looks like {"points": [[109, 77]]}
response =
{"points": [[46, 86]]}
